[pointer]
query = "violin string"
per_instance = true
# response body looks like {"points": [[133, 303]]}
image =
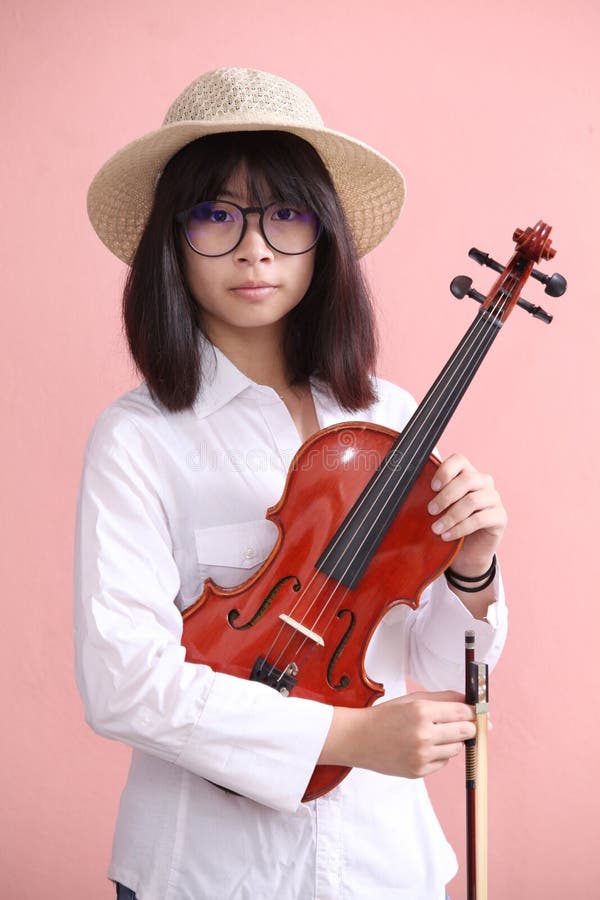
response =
{"points": [[428, 425], [431, 425], [485, 332], [502, 300], [329, 599], [485, 327]]}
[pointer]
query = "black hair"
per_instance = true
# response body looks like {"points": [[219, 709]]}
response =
{"points": [[330, 334]]}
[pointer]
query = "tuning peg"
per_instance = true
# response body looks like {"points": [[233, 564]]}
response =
{"points": [[555, 285], [536, 311], [484, 259], [461, 286]]}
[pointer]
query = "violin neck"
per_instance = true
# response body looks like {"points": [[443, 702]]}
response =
{"points": [[439, 404], [349, 552]]}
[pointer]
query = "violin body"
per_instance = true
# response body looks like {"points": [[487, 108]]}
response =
{"points": [[231, 629]]}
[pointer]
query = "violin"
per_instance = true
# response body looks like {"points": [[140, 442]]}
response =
{"points": [[354, 536]]}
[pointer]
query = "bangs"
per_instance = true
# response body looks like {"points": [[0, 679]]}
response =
{"points": [[275, 167]]}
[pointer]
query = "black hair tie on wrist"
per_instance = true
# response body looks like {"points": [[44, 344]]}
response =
{"points": [[456, 580]]}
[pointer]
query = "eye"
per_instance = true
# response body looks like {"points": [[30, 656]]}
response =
{"points": [[285, 214], [211, 213], [220, 215]]}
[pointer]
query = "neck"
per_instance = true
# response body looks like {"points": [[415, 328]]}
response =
{"points": [[257, 352]]}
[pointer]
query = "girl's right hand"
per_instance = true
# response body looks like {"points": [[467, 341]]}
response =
{"points": [[411, 736]]}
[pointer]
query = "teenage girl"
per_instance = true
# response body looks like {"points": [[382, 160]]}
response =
{"points": [[243, 220]]}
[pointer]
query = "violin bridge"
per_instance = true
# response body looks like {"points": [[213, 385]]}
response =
{"points": [[303, 629]]}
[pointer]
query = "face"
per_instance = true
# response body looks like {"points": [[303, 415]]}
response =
{"points": [[254, 286]]}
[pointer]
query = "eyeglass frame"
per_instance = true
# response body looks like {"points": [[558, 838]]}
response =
{"points": [[181, 217]]}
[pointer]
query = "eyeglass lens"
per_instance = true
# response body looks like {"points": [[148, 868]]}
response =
{"points": [[214, 227]]}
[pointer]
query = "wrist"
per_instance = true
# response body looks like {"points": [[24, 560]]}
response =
{"points": [[344, 740], [469, 581], [472, 565]]}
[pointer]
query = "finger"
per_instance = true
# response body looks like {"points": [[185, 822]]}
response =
{"points": [[449, 469], [447, 752], [438, 696], [475, 512], [467, 482], [447, 712], [453, 735], [433, 758], [491, 520], [434, 765], [441, 706]]}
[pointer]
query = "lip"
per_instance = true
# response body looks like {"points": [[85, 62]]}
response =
{"points": [[254, 290]]}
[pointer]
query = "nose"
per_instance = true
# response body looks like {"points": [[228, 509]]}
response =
{"points": [[253, 247]]}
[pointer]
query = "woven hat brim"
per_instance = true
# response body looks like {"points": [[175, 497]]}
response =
{"points": [[370, 187]]}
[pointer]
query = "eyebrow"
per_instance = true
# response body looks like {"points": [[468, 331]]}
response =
{"points": [[236, 198]]}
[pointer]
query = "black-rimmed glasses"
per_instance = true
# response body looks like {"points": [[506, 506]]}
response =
{"points": [[216, 227]]}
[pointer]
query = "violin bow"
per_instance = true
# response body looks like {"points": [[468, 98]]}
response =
{"points": [[476, 771]]}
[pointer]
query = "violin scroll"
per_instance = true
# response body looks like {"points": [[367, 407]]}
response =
{"points": [[535, 243], [532, 244]]}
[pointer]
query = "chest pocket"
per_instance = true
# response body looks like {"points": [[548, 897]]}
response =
{"points": [[230, 554]]}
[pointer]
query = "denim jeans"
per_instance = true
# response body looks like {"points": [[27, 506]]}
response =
{"points": [[124, 893]]}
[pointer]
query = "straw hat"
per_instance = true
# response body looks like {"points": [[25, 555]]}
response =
{"points": [[369, 186]]}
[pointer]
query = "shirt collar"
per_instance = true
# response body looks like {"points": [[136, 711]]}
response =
{"points": [[222, 381]]}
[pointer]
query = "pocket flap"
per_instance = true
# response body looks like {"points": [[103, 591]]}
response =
{"points": [[241, 546]]}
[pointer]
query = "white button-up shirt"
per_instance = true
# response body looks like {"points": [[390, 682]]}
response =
{"points": [[168, 500]]}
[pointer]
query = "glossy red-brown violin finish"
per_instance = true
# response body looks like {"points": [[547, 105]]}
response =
{"points": [[303, 622], [326, 477]]}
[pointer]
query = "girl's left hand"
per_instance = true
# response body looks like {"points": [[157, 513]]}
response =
{"points": [[467, 505]]}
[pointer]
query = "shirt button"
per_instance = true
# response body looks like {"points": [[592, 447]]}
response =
{"points": [[249, 553]]}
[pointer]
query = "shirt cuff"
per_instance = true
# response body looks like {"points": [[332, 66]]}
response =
{"points": [[448, 619], [252, 740]]}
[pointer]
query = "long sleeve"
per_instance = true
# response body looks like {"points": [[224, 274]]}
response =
{"points": [[435, 636], [131, 671]]}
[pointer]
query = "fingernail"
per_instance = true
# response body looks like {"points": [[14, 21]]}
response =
{"points": [[433, 508], [437, 527], [436, 484]]}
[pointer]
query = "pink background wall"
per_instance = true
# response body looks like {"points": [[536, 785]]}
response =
{"points": [[493, 116]]}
